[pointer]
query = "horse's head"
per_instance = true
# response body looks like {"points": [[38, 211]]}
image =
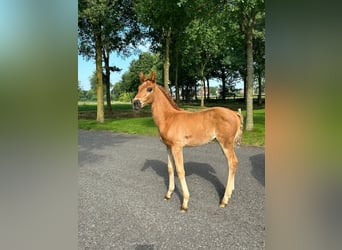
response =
{"points": [[145, 91]]}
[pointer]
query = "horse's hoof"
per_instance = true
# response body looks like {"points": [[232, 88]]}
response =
{"points": [[223, 205], [183, 210], [167, 198]]}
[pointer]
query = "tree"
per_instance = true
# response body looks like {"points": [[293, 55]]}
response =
{"points": [[92, 80], [145, 63], [163, 19], [203, 43], [82, 94], [106, 75], [105, 26], [225, 64], [91, 16], [259, 54], [248, 13], [207, 45], [122, 38]]}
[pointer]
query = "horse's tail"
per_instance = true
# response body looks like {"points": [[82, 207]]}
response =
{"points": [[238, 135]]}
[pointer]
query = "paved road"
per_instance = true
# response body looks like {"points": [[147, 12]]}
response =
{"points": [[122, 182]]}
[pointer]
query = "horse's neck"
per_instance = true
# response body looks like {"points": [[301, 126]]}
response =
{"points": [[161, 108]]}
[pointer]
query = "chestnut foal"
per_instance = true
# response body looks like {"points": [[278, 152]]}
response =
{"points": [[179, 128]]}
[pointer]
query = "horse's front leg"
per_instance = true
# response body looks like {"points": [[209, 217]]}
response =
{"points": [[170, 170], [177, 153]]}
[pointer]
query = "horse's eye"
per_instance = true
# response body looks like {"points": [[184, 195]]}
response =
{"points": [[149, 89]]}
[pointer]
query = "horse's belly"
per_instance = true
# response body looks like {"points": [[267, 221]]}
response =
{"points": [[197, 140], [187, 135]]}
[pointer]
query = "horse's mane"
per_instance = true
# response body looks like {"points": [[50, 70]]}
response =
{"points": [[169, 98]]}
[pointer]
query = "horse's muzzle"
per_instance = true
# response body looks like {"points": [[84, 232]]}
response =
{"points": [[136, 104]]}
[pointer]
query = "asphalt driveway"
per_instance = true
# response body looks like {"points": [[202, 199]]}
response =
{"points": [[122, 183]]}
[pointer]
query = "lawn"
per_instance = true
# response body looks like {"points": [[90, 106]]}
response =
{"points": [[146, 126], [143, 125], [91, 106], [257, 136]]}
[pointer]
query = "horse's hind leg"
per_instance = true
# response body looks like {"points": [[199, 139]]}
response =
{"points": [[170, 170], [232, 165]]}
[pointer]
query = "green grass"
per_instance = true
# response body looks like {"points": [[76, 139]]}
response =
{"points": [[257, 136], [146, 126], [91, 106], [143, 126]]}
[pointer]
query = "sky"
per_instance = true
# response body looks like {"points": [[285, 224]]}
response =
{"points": [[87, 68]]}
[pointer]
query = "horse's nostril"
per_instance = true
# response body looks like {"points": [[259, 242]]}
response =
{"points": [[136, 104]]}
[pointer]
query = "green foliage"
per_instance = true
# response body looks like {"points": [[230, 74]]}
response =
{"points": [[116, 91], [114, 20], [202, 40], [145, 63], [105, 26], [207, 39], [126, 97], [159, 16], [92, 80], [130, 79]]}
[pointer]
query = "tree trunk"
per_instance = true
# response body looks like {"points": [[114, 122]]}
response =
{"points": [[245, 89], [249, 84], [176, 82], [208, 88], [202, 85], [260, 88], [176, 73], [202, 93], [204, 90], [223, 79], [187, 94], [107, 79], [99, 83], [167, 60], [196, 92]]}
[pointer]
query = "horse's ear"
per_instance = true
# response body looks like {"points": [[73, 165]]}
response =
{"points": [[153, 76], [142, 77]]}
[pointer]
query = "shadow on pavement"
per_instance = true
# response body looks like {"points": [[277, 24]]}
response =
{"points": [[258, 167], [90, 143], [203, 170], [144, 247]]}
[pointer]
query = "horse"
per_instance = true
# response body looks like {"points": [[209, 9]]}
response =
{"points": [[179, 128]]}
